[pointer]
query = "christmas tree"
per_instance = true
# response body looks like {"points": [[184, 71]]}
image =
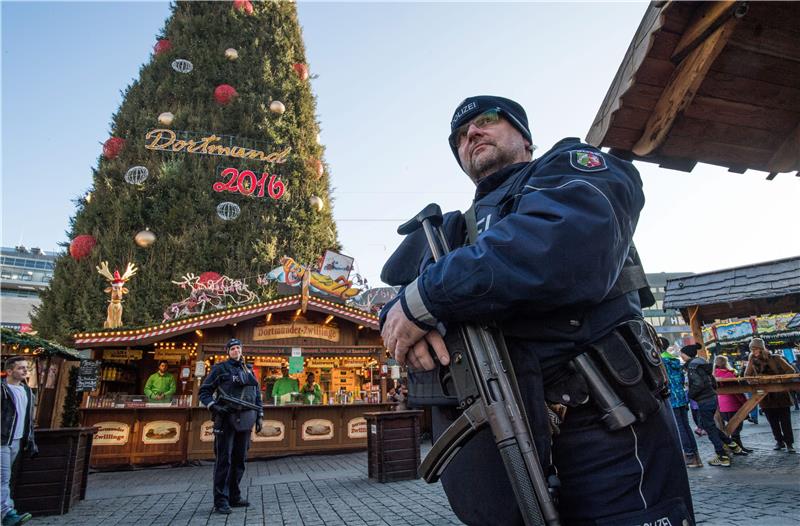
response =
{"points": [[212, 165]]}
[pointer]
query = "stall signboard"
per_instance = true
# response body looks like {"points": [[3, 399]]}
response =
{"points": [[323, 363], [734, 330], [87, 375], [267, 362], [317, 429], [775, 323], [296, 330], [357, 427], [708, 334], [296, 361], [170, 355], [122, 354], [111, 434], [353, 363], [271, 431], [207, 431], [161, 432]]}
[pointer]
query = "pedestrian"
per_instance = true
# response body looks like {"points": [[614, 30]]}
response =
{"points": [[775, 405], [161, 385], [232, 423], [680, 405], [17, 406], [729, 404], [702, 389], [546, 243]]}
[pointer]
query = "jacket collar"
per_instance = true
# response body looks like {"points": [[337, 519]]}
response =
{"points": [[490, 183]]}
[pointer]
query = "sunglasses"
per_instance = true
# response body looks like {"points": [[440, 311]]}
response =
{"points": [[487, 118]]}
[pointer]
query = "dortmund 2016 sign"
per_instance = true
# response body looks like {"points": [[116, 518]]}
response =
{"points": [[167, 141]]}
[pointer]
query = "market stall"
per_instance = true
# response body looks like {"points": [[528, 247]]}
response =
{"points": [[339, 344], [726, 308]]}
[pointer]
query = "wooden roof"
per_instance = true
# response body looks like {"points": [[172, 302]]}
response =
{"points": [[772, 287], [711, 82], [220, 318]]}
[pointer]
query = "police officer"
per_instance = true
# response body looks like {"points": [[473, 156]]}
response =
{"points": [[232, 423], [550, 261]]}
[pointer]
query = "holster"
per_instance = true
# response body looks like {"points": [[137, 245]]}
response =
{"points": [[630, 360]]}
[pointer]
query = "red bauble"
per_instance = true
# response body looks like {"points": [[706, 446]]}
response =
{"points": [[243, 5], [162, 46], [224, 94], [208, 278], [81, 246], [112, 147], [301, 70]]}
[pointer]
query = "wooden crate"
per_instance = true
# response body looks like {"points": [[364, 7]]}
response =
{"points": [[393, 445], [56, 479]]}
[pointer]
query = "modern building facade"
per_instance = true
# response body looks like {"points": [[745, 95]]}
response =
{"points": [[24, 274], [667, 322]]}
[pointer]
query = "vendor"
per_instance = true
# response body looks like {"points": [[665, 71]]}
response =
{"points": [[161, 385], [284, 386], [311, 392]]}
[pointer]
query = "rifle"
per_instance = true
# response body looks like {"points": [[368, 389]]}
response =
{"points": [[483, 379], [222, 396]]}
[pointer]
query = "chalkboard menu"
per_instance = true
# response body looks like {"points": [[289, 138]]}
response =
{"points": [[87, 375]]}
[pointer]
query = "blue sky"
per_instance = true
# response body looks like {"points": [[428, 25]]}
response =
{"points": [[389, 76]]}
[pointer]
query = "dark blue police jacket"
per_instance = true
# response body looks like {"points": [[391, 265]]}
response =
{"points": [[553, 236], [237, 380]]}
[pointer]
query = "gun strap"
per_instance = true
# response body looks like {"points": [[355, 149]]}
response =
{"points": [[472, 225]]}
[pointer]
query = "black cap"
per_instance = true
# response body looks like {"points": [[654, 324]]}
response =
{"points": [[232, 342], [690, 350], [473, 106]]}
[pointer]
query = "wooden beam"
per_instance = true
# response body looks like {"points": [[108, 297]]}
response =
{"points": [[680, 90], [787, 158], [743, 411], [709, 16], [697, 330]]}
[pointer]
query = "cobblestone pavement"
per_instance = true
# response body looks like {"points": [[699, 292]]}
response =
{"points": [[760, 489]]}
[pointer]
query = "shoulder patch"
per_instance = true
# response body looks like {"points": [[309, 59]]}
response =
{"points": [[587, 161]]}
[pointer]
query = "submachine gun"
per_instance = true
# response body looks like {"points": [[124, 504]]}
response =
{"points": [[231, 402], [482, 377]]}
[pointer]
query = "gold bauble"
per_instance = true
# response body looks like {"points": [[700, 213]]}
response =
{"points": [[166, 118], [316, 203], [231, 54], [145, 238], [277, 106]]}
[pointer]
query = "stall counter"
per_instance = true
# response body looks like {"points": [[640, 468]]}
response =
{"points": [[158, 435]]}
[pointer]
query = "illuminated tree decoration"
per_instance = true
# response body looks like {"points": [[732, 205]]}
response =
{"points": [[112, 147], [231, 54], [137, 175], [228, 211], [162, 46], [212, 293], [81, 246], [166, 118], [181, 65], [145, 238], [244, 6], [301, 70], [224, 94], [277, 106], [316, 203]]}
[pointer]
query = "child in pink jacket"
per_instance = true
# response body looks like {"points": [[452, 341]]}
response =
{"points": [[729, 403]]}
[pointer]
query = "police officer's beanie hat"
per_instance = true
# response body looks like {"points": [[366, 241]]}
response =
{"points": [[474, 106], [232, 342]]}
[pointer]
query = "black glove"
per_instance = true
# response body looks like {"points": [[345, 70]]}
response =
{"points": [[259, 424]]}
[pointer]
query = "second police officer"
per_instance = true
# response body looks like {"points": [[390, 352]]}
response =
{"points": [[233, 423]]}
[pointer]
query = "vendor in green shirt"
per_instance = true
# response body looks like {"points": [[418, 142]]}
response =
{"points": [[311, 392], [284, 386], [161, 385]]}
